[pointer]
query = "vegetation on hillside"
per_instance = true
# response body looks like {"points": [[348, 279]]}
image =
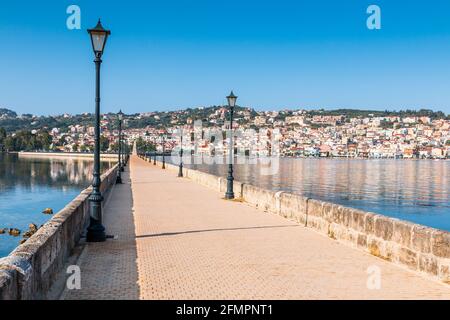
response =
{"points": [[13, 123]]}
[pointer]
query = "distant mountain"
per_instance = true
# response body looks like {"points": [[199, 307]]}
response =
{"points": [[6, 113]]}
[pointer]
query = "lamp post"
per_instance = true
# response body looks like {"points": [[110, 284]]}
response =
{"points": [[180, 167], [96, 231], [119, 172], [124, 149], [231, 104], [163, 152]]}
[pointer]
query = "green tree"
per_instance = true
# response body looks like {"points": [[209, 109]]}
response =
{"points": [[2, 133], [114, 147], [2, 138], [10, 143], [45, 140], [104, 143], [144, 146], [62, 140]]}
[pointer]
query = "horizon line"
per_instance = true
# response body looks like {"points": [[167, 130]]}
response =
{"points": [[175, 109]]}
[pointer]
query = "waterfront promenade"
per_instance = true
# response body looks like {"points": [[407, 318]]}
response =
{"points": [[180, 240]]}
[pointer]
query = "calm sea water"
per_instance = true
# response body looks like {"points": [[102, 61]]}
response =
{"points": [[27, 186], [414, 190]]}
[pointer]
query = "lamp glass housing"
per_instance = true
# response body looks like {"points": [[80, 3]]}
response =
{"points": [[99, 36], [232, 100]]}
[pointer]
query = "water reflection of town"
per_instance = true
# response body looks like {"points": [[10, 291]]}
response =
{"points": [[391, 182], [70, 173]]}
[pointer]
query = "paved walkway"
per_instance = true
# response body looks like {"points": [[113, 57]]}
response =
{"points": [[180, 240]]}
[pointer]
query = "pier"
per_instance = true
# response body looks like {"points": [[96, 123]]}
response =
{"points": [[178, 239]]}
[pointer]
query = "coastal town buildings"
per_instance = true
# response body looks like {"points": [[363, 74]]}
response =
{"points": [[297, 133]]}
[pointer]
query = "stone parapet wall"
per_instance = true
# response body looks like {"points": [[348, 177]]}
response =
{"points": [[30, 270], [417, 247]]}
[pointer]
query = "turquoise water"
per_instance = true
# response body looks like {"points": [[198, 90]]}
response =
{"points": [[27, 186], [413, 190]]}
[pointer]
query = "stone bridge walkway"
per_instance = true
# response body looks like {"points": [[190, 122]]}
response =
{"points": [[180, 240]]}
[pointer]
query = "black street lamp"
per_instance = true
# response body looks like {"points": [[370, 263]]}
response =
{"points": [[124, 151], [231, 104], [163, 152], [119, 172], [180, 167], [96, 231]]}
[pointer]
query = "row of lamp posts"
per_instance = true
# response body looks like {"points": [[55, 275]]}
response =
{"points": [[121, 162], [229, 194], [96, 231]]}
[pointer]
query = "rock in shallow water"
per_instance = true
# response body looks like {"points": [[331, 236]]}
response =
{"points": [[14, 232], [48, 211]]}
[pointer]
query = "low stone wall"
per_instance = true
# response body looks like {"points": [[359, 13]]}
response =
{"points": [[414, 246], [30, 270]]}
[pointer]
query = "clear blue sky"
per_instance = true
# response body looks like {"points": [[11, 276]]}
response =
{"points": [[165, 55]]}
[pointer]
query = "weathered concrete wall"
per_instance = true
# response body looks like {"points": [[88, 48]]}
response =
{"points": [[203, 178], [8, 284], [417, 247], [29, 271], [293, 206]]}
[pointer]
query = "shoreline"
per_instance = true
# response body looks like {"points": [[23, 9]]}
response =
{"points": [[318, 158], [24, 154], [115, 155]]}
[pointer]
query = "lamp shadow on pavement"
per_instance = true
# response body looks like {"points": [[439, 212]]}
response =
{"points": [[212, 230]]}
